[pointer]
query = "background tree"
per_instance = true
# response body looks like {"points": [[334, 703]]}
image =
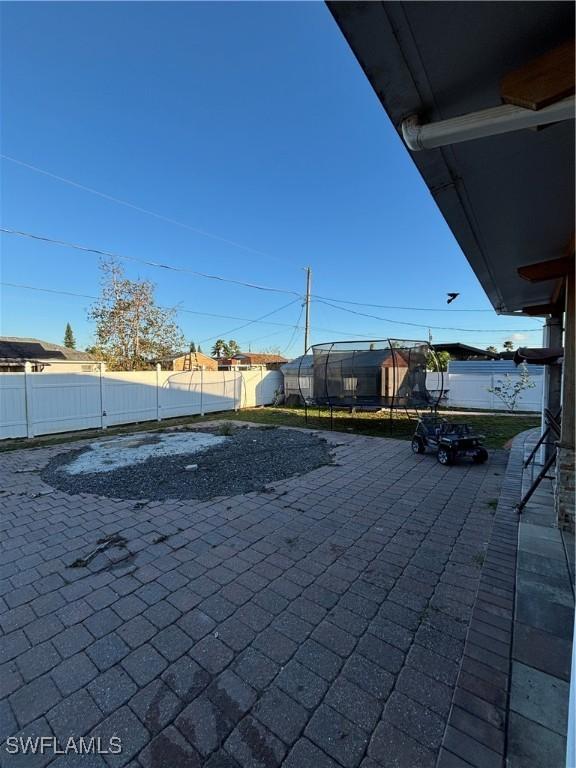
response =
{"points": [[192, 347], [492, 349], [69, 340], [438, 361], [131, 331], [199, 348], [219, 349], [508, 346]]}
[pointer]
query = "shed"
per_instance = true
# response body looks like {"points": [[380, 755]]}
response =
{"points": [[298, 378]]}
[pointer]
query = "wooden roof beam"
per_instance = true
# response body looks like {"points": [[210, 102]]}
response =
{"points": [[543, 81], [541, 310], [547, 270]]}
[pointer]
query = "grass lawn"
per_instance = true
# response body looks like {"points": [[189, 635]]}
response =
{"points": [[498, 429]]}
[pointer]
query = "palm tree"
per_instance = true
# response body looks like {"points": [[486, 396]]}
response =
{"points": [[219, 348], [231, 348]]}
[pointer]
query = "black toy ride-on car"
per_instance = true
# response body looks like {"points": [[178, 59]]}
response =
{"points": [[450, 440]]}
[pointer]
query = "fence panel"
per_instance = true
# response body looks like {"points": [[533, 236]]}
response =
{"points": [[469, 383], [180, 394], [12, 405], [37, 404], [221, 391], [129, 396], [64, 402]]}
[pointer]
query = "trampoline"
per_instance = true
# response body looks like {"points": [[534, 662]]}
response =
{"points": [[383, 374]]}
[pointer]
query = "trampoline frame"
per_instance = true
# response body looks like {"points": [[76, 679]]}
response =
{"points": [[395, 346]]}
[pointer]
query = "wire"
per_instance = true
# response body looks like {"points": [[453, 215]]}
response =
{"points": [[250, 322], [156, 264], [255, 286], [389, 306], [420, 325], [175, 308], [22, 286], [179, 309], [139, 208], [295, 331]]}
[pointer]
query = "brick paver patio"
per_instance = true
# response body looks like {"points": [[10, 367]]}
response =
{"points": [[320, 623]]}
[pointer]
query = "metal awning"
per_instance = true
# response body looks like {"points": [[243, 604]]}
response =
{"points": [[508, 199]]}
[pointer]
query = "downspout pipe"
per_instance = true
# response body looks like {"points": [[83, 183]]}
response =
{"points": [[477, 125]]}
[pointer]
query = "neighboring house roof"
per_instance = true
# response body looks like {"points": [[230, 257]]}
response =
{"points": [[16, 349], [466, 350], [257, 358]]}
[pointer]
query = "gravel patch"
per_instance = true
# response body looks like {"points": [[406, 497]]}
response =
{"points": [[119, 452], [247, 460]]}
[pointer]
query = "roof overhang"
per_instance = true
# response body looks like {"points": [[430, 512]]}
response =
{"points": [[508, 199]]}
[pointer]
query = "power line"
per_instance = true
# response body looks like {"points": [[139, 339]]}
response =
{"points": [[139, 208], [390, 306], [55, 291], [244, 284], [250, 322], [295, 331], [156, 264], [174, 309], [420, 325]]}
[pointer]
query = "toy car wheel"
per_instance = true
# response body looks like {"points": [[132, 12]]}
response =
{"points": [[480, 456], [445, 456], [418, 445]]}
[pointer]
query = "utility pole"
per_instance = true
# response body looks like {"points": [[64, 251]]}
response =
{"points": [[307, 306]]}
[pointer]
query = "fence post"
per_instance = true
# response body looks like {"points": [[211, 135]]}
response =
{"points": [[491, 393], [102, 411], [158, 406], [202, 390], [28, 399]]}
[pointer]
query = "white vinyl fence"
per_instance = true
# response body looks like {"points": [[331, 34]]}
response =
{"points": [[468, 383], [40, 403]]}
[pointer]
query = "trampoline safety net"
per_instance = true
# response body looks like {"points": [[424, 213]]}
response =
{"points": [[388, 373]]}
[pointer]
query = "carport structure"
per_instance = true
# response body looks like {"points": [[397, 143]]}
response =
{"points": [[482, 94]]}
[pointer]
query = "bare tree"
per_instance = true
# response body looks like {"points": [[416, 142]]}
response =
{"points": [[131, 330], [509, 388]]}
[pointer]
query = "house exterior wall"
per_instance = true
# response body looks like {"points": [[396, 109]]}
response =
{"points": [[565, 465], [203, 361]]}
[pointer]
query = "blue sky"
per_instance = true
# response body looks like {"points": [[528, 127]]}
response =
{"points": [[250, 121]]}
